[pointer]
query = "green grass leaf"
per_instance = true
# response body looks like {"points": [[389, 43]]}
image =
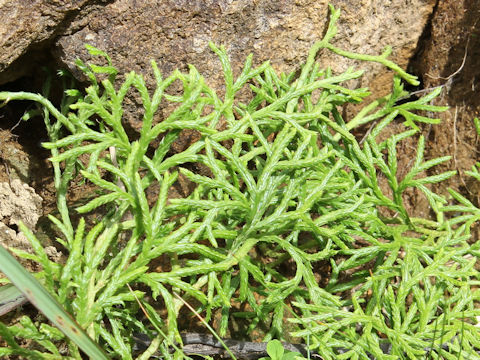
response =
{"points": [[47, 304]]}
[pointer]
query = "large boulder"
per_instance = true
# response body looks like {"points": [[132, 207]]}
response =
{"points": [[176, 33]]}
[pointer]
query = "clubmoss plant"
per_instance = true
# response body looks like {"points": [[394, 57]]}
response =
{"points": [[289, 191]]}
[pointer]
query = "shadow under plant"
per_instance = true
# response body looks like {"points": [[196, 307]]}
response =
{"points": [[287, 183]]}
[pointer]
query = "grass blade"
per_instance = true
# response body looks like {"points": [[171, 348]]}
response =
{"points": [[10, 298], [46, 303]]}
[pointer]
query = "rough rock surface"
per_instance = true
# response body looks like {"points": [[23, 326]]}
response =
{"points": [[176, 33], [29, 25], [18, 202]]}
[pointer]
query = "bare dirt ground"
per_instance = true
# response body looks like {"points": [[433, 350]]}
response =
{"points": [[448, 57]]}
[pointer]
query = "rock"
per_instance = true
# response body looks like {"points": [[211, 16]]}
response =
{"points": [[11, 239], [176, 33], [31, 26], [18, 203]]}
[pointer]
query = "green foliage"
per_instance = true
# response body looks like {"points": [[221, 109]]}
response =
{"points": [[276, 352], [288, 210], [46, 303]]}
